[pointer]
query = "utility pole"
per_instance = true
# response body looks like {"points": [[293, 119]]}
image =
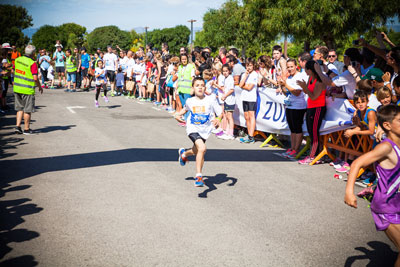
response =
{"points": [[191, 31], [145, 28]]}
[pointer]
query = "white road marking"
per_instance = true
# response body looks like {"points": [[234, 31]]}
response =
{"points": [[71, 109]]}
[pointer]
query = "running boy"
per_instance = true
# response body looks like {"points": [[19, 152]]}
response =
{"points": [[198, 125], [385, 206]]}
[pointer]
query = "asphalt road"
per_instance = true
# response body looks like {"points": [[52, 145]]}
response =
{"points": [[102, 187]]}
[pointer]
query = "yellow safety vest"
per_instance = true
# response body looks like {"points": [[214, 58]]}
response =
{"points": [[185, 78], [71, 67], [23, 78]]}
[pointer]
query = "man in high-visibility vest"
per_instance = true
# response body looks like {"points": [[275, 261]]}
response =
{"points": [[25, 81], [70, 64]]}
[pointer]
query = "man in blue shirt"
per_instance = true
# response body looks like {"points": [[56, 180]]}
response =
{"points": [[85, 63], [59, 57]]}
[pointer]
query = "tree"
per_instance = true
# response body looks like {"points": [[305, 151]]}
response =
{"points": [[71, 35], [13, 19], [175, 37], [45, 37], [308, 20], [108, 35], [231, 25]]}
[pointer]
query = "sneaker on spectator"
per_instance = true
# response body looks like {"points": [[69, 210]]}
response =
{"points": [[223, 136], [345, 167], [284, 154], [219, 133], [106, 99], [291, 155], [335, 162], [28, 132], [67, 90], [96, 104], [18, 130], [182, 124], [215, 131], [365, 192], [306, 161]]}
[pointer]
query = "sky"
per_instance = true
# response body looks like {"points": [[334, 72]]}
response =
{"points": [[126, 14]]}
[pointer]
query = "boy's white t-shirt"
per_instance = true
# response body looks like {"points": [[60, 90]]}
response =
{"points": [[296, 102], [139, 68], [229, 84], [102, 78], [122, 62], [250, 96], [109, 61], [201, 112], [130, 65]]}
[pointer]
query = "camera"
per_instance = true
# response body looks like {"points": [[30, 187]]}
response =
{"points": [[354, 64], [356, 42], [320, 62]]}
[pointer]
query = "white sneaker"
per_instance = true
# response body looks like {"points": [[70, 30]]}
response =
{"points": [[216, 130], [223, 137]]}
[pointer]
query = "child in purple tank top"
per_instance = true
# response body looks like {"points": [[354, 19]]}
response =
{"points": [[385, 206]]}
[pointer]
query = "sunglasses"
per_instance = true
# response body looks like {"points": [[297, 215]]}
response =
{"points": [[331, 56], [389, 57]]}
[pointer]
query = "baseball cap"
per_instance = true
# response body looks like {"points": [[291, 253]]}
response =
{"points": [[373, 74], [109, 46], [6, 46]]}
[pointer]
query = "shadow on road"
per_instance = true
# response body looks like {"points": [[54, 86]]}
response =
{"points": [[380, 255], [11, 215], [48, 129], [35, 166], [211, 181]]}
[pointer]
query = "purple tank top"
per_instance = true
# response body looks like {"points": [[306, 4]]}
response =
{"points": [[387, 195]]}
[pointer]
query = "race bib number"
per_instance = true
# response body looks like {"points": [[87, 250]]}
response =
{"points": [[199, 119]]}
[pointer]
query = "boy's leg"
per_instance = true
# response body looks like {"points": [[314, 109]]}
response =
{"points": [[393, 232], [201, 149]]}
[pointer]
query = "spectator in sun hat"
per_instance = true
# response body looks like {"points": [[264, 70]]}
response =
{"points": [[375, 76]]}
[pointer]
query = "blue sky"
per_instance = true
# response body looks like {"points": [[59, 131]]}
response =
{"points": [[126, 14]]}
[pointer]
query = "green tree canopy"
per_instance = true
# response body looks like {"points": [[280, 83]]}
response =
{"points": [[308, 20], [13, 19], [108, 35], [231, 25], [71, 35], [45, 37], [174, 37]]}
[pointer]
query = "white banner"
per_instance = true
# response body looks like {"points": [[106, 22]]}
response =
{"points": [[271, 115]]}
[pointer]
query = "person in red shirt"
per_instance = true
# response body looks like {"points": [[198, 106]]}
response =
{"points": [[222, 54]]}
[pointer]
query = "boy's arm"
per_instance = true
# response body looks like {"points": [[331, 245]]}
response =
{"points": [[380, 152], [371, 125], [178, 116]]}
